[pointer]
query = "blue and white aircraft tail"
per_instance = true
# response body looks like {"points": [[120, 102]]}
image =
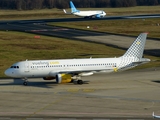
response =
{"points": [[85, 14], [73, 8]]}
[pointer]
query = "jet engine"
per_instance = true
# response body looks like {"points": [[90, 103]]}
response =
{"points": [[48, 78], [98, 16], [63, 78]]}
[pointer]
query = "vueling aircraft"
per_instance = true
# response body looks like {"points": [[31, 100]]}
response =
{"points": [[85, 14], [67, 70]]}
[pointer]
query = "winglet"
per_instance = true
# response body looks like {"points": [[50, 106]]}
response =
{"points": [[64, 11], [153, 114]]}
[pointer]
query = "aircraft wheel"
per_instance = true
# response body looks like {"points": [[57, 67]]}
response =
{"points": [[80, 82], [25, 83]]}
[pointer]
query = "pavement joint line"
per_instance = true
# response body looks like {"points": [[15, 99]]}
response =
{"points": [[50, 104], [79, 90]]}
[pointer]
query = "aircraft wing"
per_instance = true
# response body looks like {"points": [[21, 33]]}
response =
{"points": [[79, 72], [97, 15]]}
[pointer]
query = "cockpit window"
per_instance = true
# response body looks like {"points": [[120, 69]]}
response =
{"points": [[17, 67]]}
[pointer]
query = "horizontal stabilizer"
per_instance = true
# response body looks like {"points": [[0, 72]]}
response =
{"points": [[142, 61]]}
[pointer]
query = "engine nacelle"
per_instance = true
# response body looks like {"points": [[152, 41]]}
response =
{"points": [[48, 78], [98, 16], [63, 78]]}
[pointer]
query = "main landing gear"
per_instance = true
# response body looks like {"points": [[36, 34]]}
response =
{"points": [[76, 79], [80, 82]]}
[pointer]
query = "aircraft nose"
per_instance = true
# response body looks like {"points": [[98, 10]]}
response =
{"points": [[8, 72]]}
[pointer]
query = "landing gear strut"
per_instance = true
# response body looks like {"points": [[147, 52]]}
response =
{"points": [[77, 79]]}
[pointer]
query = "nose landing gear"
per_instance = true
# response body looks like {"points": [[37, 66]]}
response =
{"points": [[25, 82]]}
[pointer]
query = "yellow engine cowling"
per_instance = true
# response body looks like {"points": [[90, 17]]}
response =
{"points": [[63, 78]]}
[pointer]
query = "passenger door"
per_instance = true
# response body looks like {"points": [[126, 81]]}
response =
{"points": [[26, 66]]}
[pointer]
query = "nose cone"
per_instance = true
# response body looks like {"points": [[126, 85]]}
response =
{"points": [[7, 72]]}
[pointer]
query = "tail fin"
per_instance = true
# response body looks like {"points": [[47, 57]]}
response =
{"points": [[73, 8], [137, 47]]}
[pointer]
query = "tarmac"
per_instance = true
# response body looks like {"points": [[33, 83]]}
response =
{"points": [[132, 94], [127, 95]]}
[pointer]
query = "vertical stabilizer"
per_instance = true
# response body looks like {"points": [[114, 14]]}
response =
{"points": [[73, 8], [137, 47]]}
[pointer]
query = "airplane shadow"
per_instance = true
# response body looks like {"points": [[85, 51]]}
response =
{"points": [[156, 81], [84, 82], [43, 84]]}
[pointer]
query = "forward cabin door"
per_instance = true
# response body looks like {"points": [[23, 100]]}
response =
{"points": [[26, 66]]}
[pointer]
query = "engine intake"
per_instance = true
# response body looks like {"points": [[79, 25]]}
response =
{"points": [[63, 78]]}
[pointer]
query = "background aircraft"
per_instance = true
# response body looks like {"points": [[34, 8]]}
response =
{"points": [[85, 14], [66, 70], [155, 116]]}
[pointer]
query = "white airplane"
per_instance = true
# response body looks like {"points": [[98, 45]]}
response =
{"points": [[66, 70], [85, 14], [155, 116]]}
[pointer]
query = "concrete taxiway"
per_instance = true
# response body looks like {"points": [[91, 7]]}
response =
{"points": [[130, 94], [40, 27], [118, 41], [142, 16]]}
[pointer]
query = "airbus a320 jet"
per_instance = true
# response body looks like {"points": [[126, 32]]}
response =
{"points": [[85, 14], [67, 70]]}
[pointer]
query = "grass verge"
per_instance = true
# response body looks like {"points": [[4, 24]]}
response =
{"points": [[16, 46], [124, 27]]}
